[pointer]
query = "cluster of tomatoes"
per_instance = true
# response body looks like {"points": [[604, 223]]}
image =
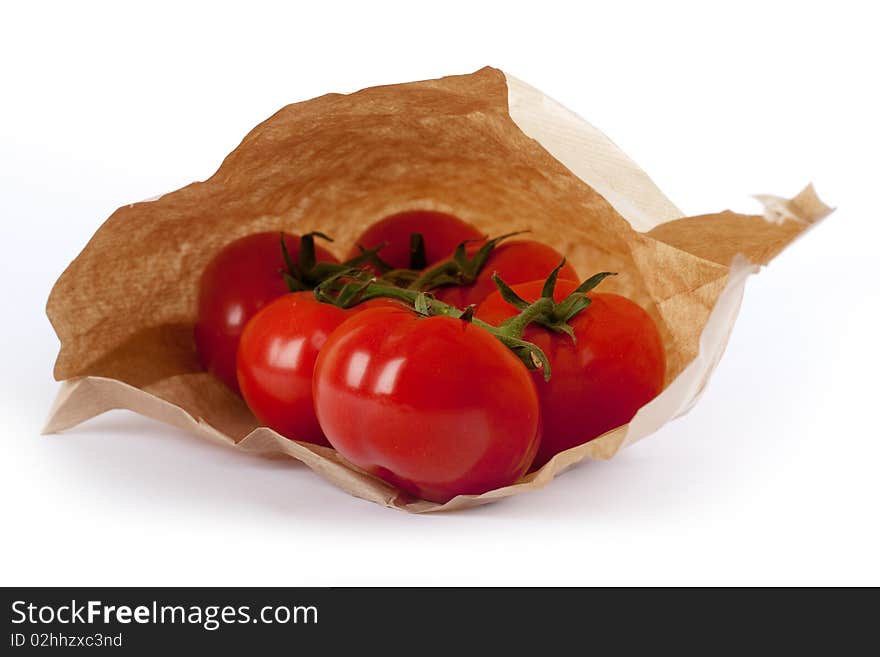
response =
{"points": [[434, 358]]}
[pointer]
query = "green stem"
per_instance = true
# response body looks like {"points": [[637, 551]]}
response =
{"points": [[351, 287], [358, 291], [516, 325], [307, 273], [417, 258], [460, 268], [444, 273]]}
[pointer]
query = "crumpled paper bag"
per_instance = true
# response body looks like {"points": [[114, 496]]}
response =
{"points": [[485, 147]]}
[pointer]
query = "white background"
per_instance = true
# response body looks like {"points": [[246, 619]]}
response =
{"points": [[771, 479]]}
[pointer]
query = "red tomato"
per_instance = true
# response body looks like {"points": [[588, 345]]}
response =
{"points": [[242, 278], [276, 359], [616, 365], [517, 261], [436, 406], [441, 232]]}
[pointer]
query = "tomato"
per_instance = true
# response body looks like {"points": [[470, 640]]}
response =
{"points": [[616, 365], [517, 261], [276, 359], [242, 278], [441, 232], [434, 405]]}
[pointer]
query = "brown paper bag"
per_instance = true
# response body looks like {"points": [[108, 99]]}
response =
{"points": [[485, 147]]}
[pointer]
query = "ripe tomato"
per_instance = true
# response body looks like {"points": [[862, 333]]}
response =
{"points": [[517, 261], [276, 359], [242, 278], [615, 366], [441, 232], [436, 406]]}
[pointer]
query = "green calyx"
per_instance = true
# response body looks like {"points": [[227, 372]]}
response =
{"points": [[554, 316], [460, 268], [307, 273], [418, 260], [351, 287], [349, 283]]}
